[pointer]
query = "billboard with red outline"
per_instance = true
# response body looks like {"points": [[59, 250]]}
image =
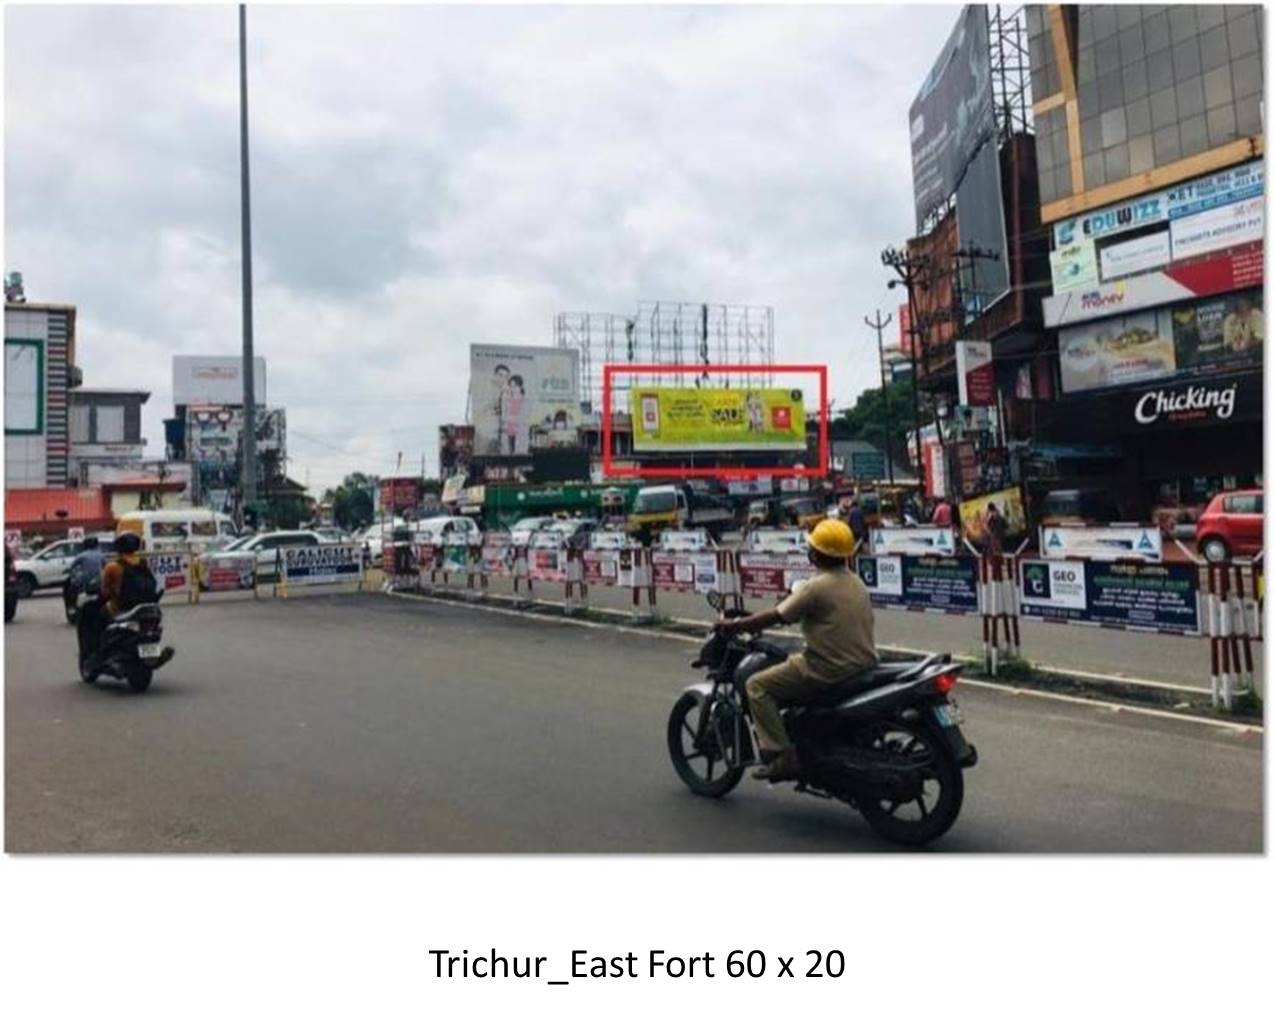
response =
{"points": [[611, 470]]}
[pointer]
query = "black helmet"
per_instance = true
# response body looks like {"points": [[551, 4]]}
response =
{"points": [[90, 542], [127, 542]]}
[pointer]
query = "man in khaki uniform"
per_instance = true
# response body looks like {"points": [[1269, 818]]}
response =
{"points": [[836, 619]]}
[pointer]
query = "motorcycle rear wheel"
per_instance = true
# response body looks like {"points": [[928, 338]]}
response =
{"points": [[687, 755], [139, 678], [930, 816]]}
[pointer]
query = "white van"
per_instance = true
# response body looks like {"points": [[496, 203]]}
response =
{"points": [[194, 529]]}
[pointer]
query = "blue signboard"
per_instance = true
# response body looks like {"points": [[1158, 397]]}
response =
{"points": [[949, 583], [1152, 596]]}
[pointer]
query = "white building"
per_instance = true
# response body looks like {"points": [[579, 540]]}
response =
{"points": [[39, 371]]}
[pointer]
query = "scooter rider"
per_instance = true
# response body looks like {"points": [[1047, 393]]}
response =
{"points": [[835, 613], [86, 568], [115, 593]]}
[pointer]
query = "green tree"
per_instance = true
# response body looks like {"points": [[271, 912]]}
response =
{"points": [[354, 500], [874, 415]]}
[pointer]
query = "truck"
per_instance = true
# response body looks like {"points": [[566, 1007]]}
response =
{"points": [[658, 507], [505, 505]]}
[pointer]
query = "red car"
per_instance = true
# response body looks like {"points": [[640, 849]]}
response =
{"points": [[1231, 525]]}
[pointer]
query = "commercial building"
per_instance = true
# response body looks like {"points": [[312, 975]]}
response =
{"points": [[39, 373], [106, 428], [1150, 155]]}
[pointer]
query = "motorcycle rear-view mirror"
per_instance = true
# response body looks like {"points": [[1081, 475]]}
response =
{"points": [[715, 600]]}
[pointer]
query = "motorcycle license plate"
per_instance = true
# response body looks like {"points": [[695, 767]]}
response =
{"points": [[948, 714], [148, 650]]}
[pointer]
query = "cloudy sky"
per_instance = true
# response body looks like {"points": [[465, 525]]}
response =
{"points": [[424, 178]]}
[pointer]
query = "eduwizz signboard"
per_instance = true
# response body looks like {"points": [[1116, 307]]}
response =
{"points": [[1241, 183], [951, 116], [688, 418], [949, 584], [1152, 596]]}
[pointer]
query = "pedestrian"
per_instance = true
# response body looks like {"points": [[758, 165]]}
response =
{"points": [[858, 524], [996, 526], [942, 516]]}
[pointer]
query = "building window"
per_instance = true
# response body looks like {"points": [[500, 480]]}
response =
{"points": [[110, 423], [23, 387], [79, 423]]}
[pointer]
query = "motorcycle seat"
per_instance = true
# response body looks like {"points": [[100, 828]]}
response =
{"points": [[136, 612], [881, 675]]}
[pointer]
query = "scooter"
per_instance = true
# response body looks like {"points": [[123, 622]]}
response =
{"points": [[130, 649]]}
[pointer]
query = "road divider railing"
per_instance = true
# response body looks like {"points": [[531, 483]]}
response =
{"points": [[175, 573], [1232, 621], [771, 561], [549, 559], [689, 562], [614, 560]]}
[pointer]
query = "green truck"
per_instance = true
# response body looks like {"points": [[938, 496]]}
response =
{"points": [[504, 505]]}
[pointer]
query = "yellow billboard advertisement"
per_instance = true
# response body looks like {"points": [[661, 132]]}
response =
{"points": [[689, 418]]}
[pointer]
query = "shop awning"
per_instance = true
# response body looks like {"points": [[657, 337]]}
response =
{"points": [[51, 511]]}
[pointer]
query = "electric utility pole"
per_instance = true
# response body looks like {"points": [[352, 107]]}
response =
{"points": [[879, 326], [248, 475], [910, 271]]}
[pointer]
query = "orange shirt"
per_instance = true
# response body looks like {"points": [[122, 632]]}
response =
{"points": [[113, 579]]}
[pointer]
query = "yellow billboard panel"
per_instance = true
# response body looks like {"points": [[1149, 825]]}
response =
{"points": [[689, 418]]}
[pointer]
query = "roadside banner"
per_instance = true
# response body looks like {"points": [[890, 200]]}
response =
{"points": [[771, 574], [497, 558], [685, 571], [1102, 542], [610, 540], [322, 564], [171, 570], [608, 567], [919, 541], [674, 540], [924, 583], [228, 573], [776, 540], [1133, 595], [547, 562], [455, 553]]}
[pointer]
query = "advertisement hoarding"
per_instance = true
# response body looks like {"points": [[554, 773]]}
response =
{"points": [[514, 389], [322, 564], [215, 380], [949, 584], [772, 574], [1205, 336], [689, 418], [679, 571], [1102, 543], [1153, 596], [455, 448], [951, 116], [1074, 266], [975, 373], [1219, 228], [918, 541], [974, 514]]}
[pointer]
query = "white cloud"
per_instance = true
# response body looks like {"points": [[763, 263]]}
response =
{"points": [[427, 178]]}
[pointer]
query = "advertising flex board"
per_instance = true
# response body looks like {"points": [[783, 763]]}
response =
{"points": [[1133, 255], [676, 571], [923, 582], [974, 514], [1074, 266], [322, 564], [951, 116], [1219, 228], [1213, 335], [215, 380], [514, 389], [771, 574], [688, 418], [919, 541], [975, 373], [1153, 596], [1102, 542]]}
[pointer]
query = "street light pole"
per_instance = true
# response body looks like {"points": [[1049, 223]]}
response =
{"points": [[879, 326], [248, 475]]}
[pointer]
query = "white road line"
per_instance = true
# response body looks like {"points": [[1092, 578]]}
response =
{"points": [[1114, 708]]}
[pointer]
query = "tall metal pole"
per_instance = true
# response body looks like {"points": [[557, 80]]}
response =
{"points": [[879, 326], [248, 475]]}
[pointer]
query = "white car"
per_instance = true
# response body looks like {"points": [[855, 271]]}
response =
{"points": [[262, 548], [49, 567], [520, 534], [435, 529]]}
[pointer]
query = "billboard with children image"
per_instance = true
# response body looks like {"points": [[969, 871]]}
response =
{"points": [[515, 390]]}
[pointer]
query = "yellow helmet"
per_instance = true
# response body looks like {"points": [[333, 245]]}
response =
{"points": [[832, 538]]}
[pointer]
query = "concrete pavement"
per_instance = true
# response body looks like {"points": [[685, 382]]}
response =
{"points": [[363, 723]]}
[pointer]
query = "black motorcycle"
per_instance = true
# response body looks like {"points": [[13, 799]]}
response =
{"points": [[130, 648], [887, 743]]}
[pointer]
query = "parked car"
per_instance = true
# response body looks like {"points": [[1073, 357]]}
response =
{"points": [[49, 567], [263, 548], [575, 532], [522, 530], [434, 529], [1231, 525]]}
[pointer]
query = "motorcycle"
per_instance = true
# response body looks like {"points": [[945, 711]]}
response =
{"points": [[130, 648], [888, 743]]}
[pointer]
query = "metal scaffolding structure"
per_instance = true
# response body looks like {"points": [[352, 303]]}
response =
{"points": [[670, 334], [1011, 71]]}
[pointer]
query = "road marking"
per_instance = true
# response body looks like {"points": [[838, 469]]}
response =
{"points": [[1113, 708]]}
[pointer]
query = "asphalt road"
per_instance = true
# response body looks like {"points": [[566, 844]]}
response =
{"points": [[364, 723], [1182, 661]]}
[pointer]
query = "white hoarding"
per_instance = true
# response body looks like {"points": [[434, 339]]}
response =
{"points": [[1102, 543], [919, 541], [1134, 255], [1219, 228], [215, 379], [515, 389], [1074, 266]]}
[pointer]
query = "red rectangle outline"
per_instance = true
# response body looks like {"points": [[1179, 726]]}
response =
{"points": [[610, 471]]}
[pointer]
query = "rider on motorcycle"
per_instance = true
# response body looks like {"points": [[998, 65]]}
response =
{"points": [[836, 620], [86, 569], [115, 594]]}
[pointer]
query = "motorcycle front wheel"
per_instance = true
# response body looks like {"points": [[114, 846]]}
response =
{"points": [[931, 814], [697, 761]]}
